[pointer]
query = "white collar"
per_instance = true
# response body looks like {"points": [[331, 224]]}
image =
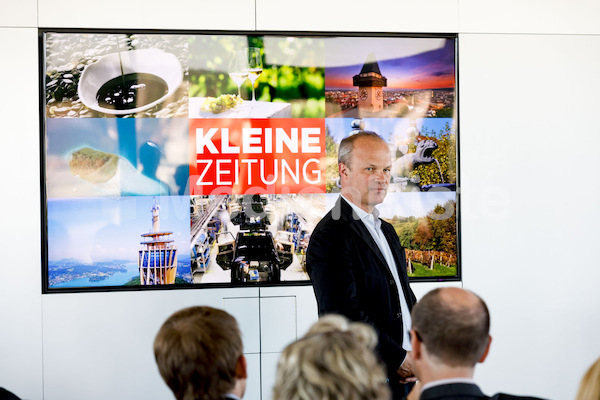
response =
{"points": [[362, 214], [447, 381]]}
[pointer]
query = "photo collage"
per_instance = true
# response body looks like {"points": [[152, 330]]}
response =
{"points": [[205, 160]]}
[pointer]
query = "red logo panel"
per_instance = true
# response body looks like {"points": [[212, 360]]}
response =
{"points": [[246, 156]]}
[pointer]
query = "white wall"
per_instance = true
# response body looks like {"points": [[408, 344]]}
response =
{"points": [[20, 278], [528, 82], [529, 143]]}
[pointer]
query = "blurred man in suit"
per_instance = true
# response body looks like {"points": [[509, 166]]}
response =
{"points": [[450, 334], [199, 354], [6, 395], [355, 260]]}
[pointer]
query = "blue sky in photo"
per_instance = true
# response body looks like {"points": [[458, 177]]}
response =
{"points": [[339, 128], [101, 229], [404, 204]]}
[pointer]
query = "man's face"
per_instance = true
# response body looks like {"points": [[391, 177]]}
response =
{"points": [[366, 181]]}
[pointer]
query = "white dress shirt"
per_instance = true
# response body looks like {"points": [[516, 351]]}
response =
{"points": [[373, 225]]}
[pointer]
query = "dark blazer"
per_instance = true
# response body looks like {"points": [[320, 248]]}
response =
{"points": [[350, 277], [464, 391], [6, 395]]}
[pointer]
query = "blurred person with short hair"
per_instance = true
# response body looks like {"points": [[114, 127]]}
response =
{"points": [[450, 335], [6, 395], [199, 354]]}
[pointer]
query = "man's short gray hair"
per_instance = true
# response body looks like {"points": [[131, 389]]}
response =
{"points": [[347, 145]]}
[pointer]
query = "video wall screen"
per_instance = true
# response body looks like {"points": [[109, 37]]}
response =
{"points": [[192, 159]]}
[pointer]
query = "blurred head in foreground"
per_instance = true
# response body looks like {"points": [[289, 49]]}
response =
{"points": [[199, 354], [589, 388], [450, 333], [334, 360]]}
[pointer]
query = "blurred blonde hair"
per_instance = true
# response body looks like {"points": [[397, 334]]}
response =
{"points": [[589, 388], [334, 360]]}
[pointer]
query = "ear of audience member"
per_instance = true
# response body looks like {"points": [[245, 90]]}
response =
{"points": [[589, 387], [199, 354], [334, 360]]}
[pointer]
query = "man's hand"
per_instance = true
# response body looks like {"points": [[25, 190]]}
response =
{"points": [[415, 393], [406, 372]]}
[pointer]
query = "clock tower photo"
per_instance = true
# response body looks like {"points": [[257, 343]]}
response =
{"points": [[370, 84]]}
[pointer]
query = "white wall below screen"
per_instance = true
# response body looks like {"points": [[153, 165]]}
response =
{"points": [[87, 354], [421, 288]]}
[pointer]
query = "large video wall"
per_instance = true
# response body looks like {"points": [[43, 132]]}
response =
{"points": [[198, 160]]}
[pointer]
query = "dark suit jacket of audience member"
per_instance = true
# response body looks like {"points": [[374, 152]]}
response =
{"points": [[351, 277], [465, 391], [6, 395]]}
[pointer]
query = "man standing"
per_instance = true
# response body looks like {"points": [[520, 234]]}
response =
{"points": [[355, 260], [450, 334], [199, 354]]}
